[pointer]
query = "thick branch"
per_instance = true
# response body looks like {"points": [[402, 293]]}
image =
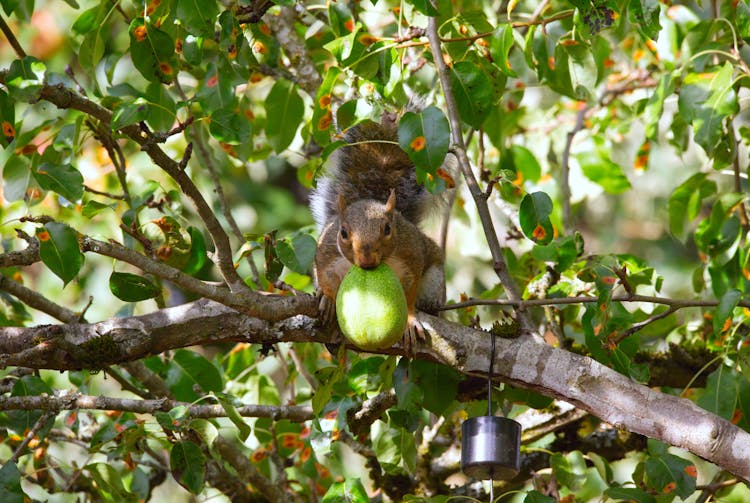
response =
{"points": [[93, 346], [269, 307], [593, 387], [523, 362]]}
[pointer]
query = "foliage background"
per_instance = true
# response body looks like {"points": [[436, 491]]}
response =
{"points": [[159, 153]]}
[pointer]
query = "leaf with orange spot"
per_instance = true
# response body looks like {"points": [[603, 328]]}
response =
{"points": [[60, 251], [534, 214], [425, 138]]}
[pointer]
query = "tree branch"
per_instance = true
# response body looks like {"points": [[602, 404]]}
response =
{"points": [[459, 148], [65, 98], [523, 362], [77, 401]]}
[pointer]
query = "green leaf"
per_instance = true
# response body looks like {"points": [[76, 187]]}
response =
{"points": [[473, 92], [629, 494], [328, 377], [93, 207], [109, 483], [349, 491], [131, 287], [197, 16], [92, 49], [570, 470], [534, 217], [24, 78], [63, 179], [425, 137], [17, 179], [438, 384], [229, 125], [7, 119], [409, 394], [425, 7], [686, 201], [198, 256], [59, 250], [88, 20], [525, 163], [188, 465], [668, 474], [189, 371], [603, 171], [284, 112], [322, 119], [152, 51], [646, 14], [162, 109], [298, 252], [581, 69], [21, 421], [602, 466], [500, 45], [655, 106], [126, 114], [10, 484], [537, 497], [725, 309], [720, 396], [396, 450], [706, 99], [233, 414]]}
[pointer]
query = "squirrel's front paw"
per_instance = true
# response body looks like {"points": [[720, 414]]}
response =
{"points": [[326, 309], [415, 331]]}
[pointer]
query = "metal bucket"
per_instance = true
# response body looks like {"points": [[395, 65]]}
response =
{"points": [[490, 447]]}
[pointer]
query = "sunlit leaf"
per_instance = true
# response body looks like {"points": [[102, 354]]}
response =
{"points": [[284, 111], [348, 491]]}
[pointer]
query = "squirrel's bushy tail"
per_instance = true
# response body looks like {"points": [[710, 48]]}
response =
{"points": [[368, 167]]}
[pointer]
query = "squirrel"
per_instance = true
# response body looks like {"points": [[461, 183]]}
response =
{"points": [[367, 208]]}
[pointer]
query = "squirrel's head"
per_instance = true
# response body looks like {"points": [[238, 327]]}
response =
{"points": [[366, 230]]}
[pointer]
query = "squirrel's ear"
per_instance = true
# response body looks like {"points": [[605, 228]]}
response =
{"points": [[391, 203], [342, 204]]}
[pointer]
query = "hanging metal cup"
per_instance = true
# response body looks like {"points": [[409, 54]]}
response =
{"points": [[490, 447]]}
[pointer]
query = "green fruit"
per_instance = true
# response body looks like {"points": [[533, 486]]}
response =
{"points": [[371, 307]]}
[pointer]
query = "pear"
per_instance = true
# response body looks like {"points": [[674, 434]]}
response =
{"points": [[371, 307]]}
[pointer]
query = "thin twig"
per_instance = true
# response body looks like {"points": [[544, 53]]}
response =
{"points": [[40, 423], [586, 299], [565, 168], [636, 327], [38, 301], [11, 38], [208, 162], [459, 148]]}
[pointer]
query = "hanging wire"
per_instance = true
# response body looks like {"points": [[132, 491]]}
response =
{"points": [[489, 404], [489, 375]]}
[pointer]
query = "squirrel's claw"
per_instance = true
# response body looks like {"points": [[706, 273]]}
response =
{"points": [[415, 331], [326, 309]]}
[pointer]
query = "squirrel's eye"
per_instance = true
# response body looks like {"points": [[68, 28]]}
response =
{"points": [[344, 233], [387, 229]]}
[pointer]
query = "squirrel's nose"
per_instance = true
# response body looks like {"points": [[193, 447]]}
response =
{"points": [[367, 262]]}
